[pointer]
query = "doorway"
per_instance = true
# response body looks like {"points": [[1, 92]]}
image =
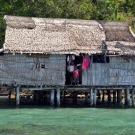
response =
{"points": [[77, 61]]}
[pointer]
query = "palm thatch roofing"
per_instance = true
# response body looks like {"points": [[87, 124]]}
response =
{"points": [[66, 36]]}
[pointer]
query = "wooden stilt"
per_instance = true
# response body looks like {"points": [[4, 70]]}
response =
{"points": [[75, 97], [86, 97], [52, 98], [95, 97], [99, 95], [119, 96], [128, 97], [34, 96], [9, 98], [91, 97], [114, 97], [125, 91], [58, 96], [17, 96], [64, 93], [48, 97], [38, 97], [103, 96], [109, 96], [45, 97], [133, 98]]}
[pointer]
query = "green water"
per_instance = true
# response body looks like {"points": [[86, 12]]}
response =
{"points": [[41, 120]]}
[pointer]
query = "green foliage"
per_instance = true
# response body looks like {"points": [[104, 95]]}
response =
{"points": [[72, 9]]}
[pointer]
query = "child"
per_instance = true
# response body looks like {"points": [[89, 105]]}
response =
{"points": [[70, 68], [76, 75]]}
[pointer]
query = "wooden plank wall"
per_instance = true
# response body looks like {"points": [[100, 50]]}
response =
{"points": [[120, 71], [23, 69]]}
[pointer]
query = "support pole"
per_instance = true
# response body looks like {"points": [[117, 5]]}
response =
{"points": [[114, 97], [103, 97], [52, 98], [58, 96], [91, 91], [34, 96], [9, 98], [125, 92], [133, 98], [75, 97], [99, 95], [17, 96], [128, 96], [64, 93], [109, 96], [119, 96], [86, 97], [95, 97], [45, 97], [37, 97]]}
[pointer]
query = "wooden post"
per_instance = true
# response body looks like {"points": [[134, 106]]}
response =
{"points": [[9, 98], [128, 96], [109, 96], [58, 96], [119, 96], [91, 91], [17, 96], [114, 97], [99, 95], [86, 97], [38, 97], [34, 96], [103, 96], [133, 98], [95, 97], [52, 98], [45, 97], [64, 93], [125, 92], [75, 97]]}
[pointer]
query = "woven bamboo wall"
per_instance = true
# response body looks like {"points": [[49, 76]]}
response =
{"points": [[32, 70]]}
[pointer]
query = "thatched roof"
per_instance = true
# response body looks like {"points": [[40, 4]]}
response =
{"points": [[63, 36]]}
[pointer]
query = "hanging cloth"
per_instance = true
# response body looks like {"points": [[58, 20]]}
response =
{"points": [[85, 62]]}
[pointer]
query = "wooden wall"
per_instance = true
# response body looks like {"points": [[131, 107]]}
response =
{"points": [[50, 70], [119, 71], [32, 69]]}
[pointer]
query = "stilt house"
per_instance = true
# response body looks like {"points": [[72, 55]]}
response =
{"points": [[35, 51]]}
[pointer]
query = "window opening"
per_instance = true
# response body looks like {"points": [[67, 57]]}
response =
{"points": [[100, 58]]}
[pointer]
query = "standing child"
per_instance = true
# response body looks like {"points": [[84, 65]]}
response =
{"points": [[70, 68], [76, 75]]}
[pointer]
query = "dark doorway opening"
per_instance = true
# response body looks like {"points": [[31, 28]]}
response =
{"points": [[77, 61]]}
